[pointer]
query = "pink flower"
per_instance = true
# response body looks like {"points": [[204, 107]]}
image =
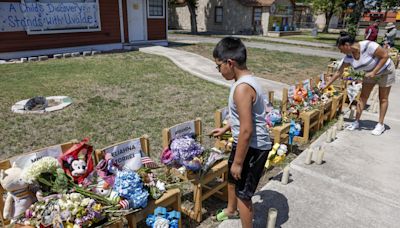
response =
{"points": [[167, 156]]}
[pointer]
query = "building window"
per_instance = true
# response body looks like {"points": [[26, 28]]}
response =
{"points": [[219, 14], [257, 14], [156, 8]]}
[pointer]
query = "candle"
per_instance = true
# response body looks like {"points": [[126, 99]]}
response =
{"points": [[309, 153], [320, 156], [341, 122], [334, 131], [285, 176], [272, 214], [351, 116], [329, 135]]}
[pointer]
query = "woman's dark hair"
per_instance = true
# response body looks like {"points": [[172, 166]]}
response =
{"points": [[344, 38], [230, 48]]}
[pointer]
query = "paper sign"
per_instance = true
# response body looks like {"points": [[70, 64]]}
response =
{"points": [[306, 84], [127, 154], [352, 91], [225, 113], [187, 128], [27, 160], [291, 93]]}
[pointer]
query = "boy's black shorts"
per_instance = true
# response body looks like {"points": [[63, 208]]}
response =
{"points": [[252, 171]]}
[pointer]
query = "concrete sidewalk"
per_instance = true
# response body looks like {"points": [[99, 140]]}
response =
{"points": [[262, 45], [357, 186], [205, 68], [287, 41]]}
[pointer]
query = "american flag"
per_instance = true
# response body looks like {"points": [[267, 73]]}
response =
{"points": [[148, 162]]}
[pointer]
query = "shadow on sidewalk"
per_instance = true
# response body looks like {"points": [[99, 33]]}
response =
{"points": [[267, 199]]}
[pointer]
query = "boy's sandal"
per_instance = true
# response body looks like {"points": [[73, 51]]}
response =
{"points": [[221, 216]]}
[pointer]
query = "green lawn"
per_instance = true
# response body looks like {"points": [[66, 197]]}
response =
{"points": [[278, 66], [328, 38], [116, 97]]}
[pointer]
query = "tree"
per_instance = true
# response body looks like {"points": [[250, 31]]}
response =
{"points": [[357, 9], [192, 6], [328, 8]]}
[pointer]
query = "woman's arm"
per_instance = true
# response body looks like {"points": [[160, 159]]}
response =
{"points": [[337, 74], [383, 55]]}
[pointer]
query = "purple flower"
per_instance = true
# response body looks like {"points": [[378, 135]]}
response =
{"points": [[187, 148]]}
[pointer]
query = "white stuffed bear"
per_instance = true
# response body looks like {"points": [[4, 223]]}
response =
{"points": [[19, 198]]}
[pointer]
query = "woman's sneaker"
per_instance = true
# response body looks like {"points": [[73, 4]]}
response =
{"points": [[379, 129], [353, 126]]}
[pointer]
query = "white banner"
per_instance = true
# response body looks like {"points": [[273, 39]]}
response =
{"points": [[127, 154], [49, 17], [27, 160]]}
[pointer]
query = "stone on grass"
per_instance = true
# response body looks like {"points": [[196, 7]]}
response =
{"points": [[76, 54], [87, 53], [67, 55], [32, 59], [95, 52], [24, 60], [43, 58], [57, 56]]}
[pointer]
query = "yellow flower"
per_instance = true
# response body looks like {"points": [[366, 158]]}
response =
{"points": [[278, 159], [97, 207]]}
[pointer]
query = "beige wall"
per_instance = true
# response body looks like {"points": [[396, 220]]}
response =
{"points": [[237, 18]]}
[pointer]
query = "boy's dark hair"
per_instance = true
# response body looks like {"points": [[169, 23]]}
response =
{"points": [[344, 38], [230, 48]]}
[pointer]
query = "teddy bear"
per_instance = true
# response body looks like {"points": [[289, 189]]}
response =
{"points": [[19, 197]]}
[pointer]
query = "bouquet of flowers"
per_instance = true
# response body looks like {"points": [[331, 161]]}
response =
{"points": [[52, 179], [352, 75], [66, 210], [155, 186], [183, 151], [277, 155]]}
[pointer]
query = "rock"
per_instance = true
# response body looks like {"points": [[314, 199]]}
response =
{"points": [[57, 56], [32, 59], [67, 55], [43, 58], [76, 54], [96, 52], [87, 53], [24, 60]]}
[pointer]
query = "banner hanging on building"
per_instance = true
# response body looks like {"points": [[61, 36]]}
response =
{"points": [[44, 18]]}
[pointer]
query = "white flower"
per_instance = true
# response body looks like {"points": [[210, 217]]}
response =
{"points": [[282, 150], [160, 185], [85, 202], [75, 197], [44, 165], [74, 211]]}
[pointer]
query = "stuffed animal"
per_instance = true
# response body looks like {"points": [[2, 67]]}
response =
{"points": [[77, 162], [324, 98], [299, 94], [294, 130], [163, 219], [19, 198], [273, 117]]}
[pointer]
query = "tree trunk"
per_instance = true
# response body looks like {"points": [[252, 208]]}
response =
{"points": [[328, 17], [193, 20]]}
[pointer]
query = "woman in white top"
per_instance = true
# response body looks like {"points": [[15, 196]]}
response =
{"points": [[367, 56]]}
